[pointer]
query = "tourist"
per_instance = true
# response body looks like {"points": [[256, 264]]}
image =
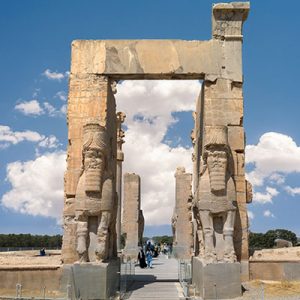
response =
{"points": [[142, 258], [149, 258]]}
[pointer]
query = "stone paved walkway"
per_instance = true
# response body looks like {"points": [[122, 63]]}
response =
{"points": [[160, 282]]}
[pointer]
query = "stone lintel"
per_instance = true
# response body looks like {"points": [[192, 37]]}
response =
{"points": [[150, 59]]}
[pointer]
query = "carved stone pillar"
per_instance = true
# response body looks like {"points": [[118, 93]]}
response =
{"points": [[220, 195], [132, 223], [120, 158], [182, 216]]}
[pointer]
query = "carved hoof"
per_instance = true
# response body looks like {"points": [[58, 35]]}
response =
{"points": [[100, 252], [230, 257], [81, 250], [210, 258], [82, 259]]}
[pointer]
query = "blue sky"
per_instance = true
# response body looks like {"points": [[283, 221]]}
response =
{"points": [[35, 59]]}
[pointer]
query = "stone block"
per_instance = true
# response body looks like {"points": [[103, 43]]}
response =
{"points": [[223, 112], [223, 89], [92, 281], [216, 281], [71, 181], [144, 59], [236, 138]]}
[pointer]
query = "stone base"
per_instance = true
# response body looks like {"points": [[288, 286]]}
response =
{"points": [[216, 281], [131, 253], [92, 281], [181, 252]]}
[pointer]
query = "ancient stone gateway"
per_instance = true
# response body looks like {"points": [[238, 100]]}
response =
{"points": [[91, 203]]}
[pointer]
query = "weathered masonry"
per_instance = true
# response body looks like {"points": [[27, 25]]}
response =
{"points": [[90, 210]]}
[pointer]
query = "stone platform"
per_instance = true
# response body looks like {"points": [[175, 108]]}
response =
{"points": [[216, 281], [39, 275], [90, 281]]}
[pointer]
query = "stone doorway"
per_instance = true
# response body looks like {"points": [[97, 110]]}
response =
{"points": [[157, 127], [92, 121]]}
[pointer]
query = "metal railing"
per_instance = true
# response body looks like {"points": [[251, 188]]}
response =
{"points": [[127, 272], [185, 275]]}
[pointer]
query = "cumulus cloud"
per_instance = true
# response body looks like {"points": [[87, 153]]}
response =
{"points": [[273, 158], [61, 95], [49, 142], [31, 107], [268, 214], [37, 186], [275, 155], [9, 137], [149, 106], [292, 191], [53, 75], [35, 108], [265, 197]]}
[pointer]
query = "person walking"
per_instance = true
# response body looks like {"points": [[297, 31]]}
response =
{"points": [[142, 258], [149, 258]]}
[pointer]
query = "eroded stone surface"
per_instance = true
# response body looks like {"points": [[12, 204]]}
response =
{"points": [[133, 220], [182, 216]]}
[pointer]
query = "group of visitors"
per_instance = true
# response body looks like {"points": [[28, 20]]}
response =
{"points": [[150, 251], [145, 260]]}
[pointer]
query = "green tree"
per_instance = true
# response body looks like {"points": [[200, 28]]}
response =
{"points": [[267, 240]]}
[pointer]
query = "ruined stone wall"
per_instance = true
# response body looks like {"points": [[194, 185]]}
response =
{"points": [[131, 222]]}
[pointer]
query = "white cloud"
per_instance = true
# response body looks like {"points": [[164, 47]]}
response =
{"points": [[61, 95], [277, 178], [35, 108], [9, 137], [275, 153], [149, 106], [49, 142], [265, 197], [37, 186], [250, 215], [52, 75], [268, 214], [50, 109], [292, 191], [31, 107]]}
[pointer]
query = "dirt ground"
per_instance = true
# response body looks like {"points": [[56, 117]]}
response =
{"points": [[32, 257], [273, 290]]}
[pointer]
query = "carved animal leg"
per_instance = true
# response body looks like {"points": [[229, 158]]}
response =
{"points": [[102, 247], [229, 253], [209, 248], [82, 231]]}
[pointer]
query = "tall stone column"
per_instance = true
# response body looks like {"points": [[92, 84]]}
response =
{"points": [[182, 216], [132, 215], [220, 195], [120, 158]]}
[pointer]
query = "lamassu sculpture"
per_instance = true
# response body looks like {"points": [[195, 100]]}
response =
{"points": [[94, 197], [216, 198]]}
